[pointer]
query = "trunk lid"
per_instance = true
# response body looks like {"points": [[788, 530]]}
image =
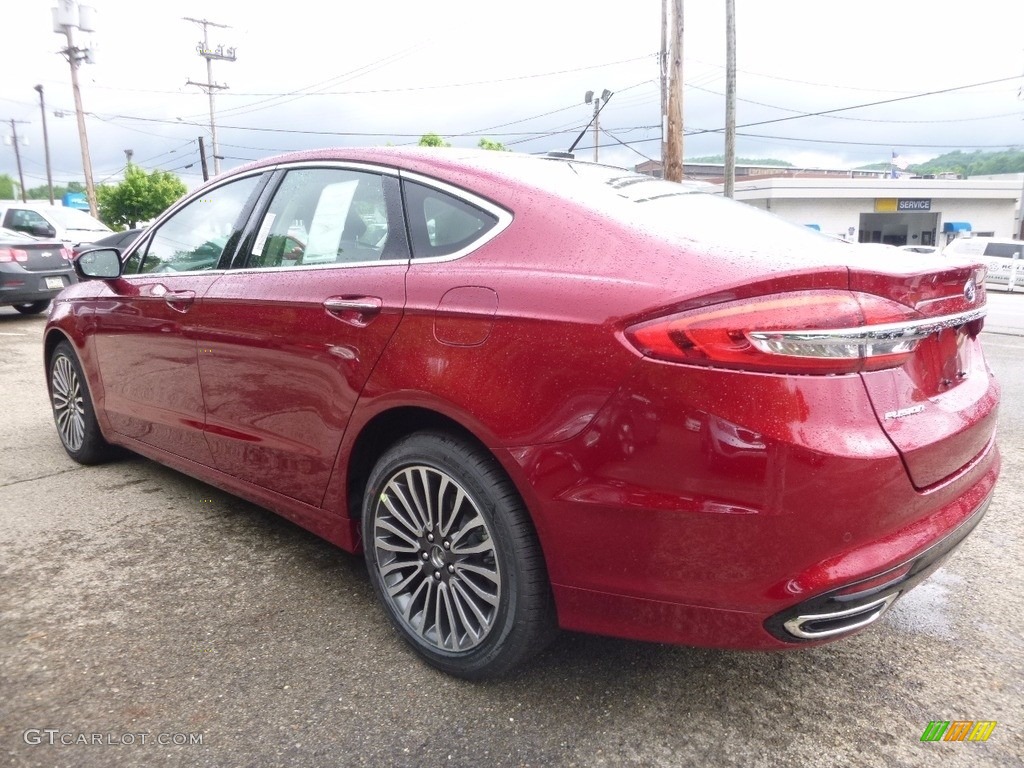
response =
{"points": [[938, 409], [44, 257]]}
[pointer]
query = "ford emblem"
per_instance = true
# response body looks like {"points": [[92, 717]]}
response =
{"points": [[970, 292]]}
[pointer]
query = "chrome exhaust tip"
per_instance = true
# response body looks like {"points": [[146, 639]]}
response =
{"points": [[820, 625]]}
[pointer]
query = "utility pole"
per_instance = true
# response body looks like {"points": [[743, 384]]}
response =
{"points": [[599, 102], [674, 156], [17, 155], [208, 53], [730, 98], [46, 143], [663, 74], [202, 159], [1020, 212], [67, 16]]}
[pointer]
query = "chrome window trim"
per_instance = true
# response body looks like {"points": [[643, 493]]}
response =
{"points": [[503, 216], [907, 330], [349, 165], [189, 273], [320, 267]]}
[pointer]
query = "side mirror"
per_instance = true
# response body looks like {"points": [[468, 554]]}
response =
{"points": [[99, 264], [42, 230]]}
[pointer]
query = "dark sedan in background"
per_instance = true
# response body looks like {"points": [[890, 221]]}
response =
{"points": [[32, 271], [537, 392], [119, 240]]}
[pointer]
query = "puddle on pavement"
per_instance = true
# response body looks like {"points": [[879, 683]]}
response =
{"points": [[926, 608]]}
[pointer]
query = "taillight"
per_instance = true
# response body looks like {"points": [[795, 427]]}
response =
{"points": [[9, 255], [815, 332], [67, 254]]}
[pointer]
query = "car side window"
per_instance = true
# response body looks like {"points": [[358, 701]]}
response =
{"points": [[196, 236], [327, 216], [25, 221], [441, 224]]}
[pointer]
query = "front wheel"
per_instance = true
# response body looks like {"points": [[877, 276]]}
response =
{"points": [[73, 410], [454, 558]]}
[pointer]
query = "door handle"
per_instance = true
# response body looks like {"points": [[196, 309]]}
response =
{"points": [[364, 305], [180, 301], [354, 310]]}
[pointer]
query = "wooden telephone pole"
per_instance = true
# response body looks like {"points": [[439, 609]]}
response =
{"points": [[673, 159], [730, 98], [17, 155]]}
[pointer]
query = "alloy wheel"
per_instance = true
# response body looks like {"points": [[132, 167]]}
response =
{"points": [[436, 557], [68, 403]]}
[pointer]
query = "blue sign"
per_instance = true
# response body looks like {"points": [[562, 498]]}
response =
{"points": [[76, 200]]}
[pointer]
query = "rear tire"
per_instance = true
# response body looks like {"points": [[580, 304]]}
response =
{"points": [[453, 557], [73, 410], [33, 308]]}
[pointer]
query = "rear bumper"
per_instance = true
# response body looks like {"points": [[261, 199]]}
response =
{"points": [[857, 605], [651, 532], [23, 287]]}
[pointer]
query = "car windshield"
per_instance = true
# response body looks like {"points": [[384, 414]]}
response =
{"points": [[72, 218]]}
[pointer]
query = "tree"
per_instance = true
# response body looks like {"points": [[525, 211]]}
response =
{"points": [[495, 145], [433, 140], [43, 192], [7, 185], [141, 196]]}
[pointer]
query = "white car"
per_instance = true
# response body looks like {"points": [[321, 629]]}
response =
{"points": [[1003, 256], [70, 225]]}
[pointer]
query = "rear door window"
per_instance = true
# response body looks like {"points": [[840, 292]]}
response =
{"points": [[330, 216]]}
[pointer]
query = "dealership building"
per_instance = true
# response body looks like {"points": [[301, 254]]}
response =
{"points": [[901, 211], [867, 205]]}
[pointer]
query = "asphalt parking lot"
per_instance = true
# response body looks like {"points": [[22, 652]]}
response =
{"points": [[147, 618]]}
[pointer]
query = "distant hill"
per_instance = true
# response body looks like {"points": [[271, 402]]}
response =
{"points": [[720, 160], [977, 163]]}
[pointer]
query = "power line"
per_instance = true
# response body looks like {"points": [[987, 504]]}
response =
{"points": [[865, 119], [824, 112]]}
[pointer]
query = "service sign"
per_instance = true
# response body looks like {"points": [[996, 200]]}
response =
{"points": [[901, 205], [919, 204]]}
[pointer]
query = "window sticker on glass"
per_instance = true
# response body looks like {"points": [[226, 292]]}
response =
{"points": [[327, 229], [263, 234]]}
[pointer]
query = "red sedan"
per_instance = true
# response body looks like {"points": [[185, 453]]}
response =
{"points": [[541, 393]]}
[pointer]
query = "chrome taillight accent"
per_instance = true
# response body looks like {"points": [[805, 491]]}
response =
{"points": [[853, 343]]}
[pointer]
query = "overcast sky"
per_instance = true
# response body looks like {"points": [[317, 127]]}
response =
{"points": [[389, 71]]}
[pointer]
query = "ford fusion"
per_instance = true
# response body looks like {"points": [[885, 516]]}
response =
{"points": [[540, 393]]}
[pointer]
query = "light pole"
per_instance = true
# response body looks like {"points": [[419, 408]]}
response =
{"points": [[597, 102], [68, 16], [46, 143]]}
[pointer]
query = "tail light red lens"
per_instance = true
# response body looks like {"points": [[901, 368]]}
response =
{"points": [[67, 254], [814, 332], [10, 255]]}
